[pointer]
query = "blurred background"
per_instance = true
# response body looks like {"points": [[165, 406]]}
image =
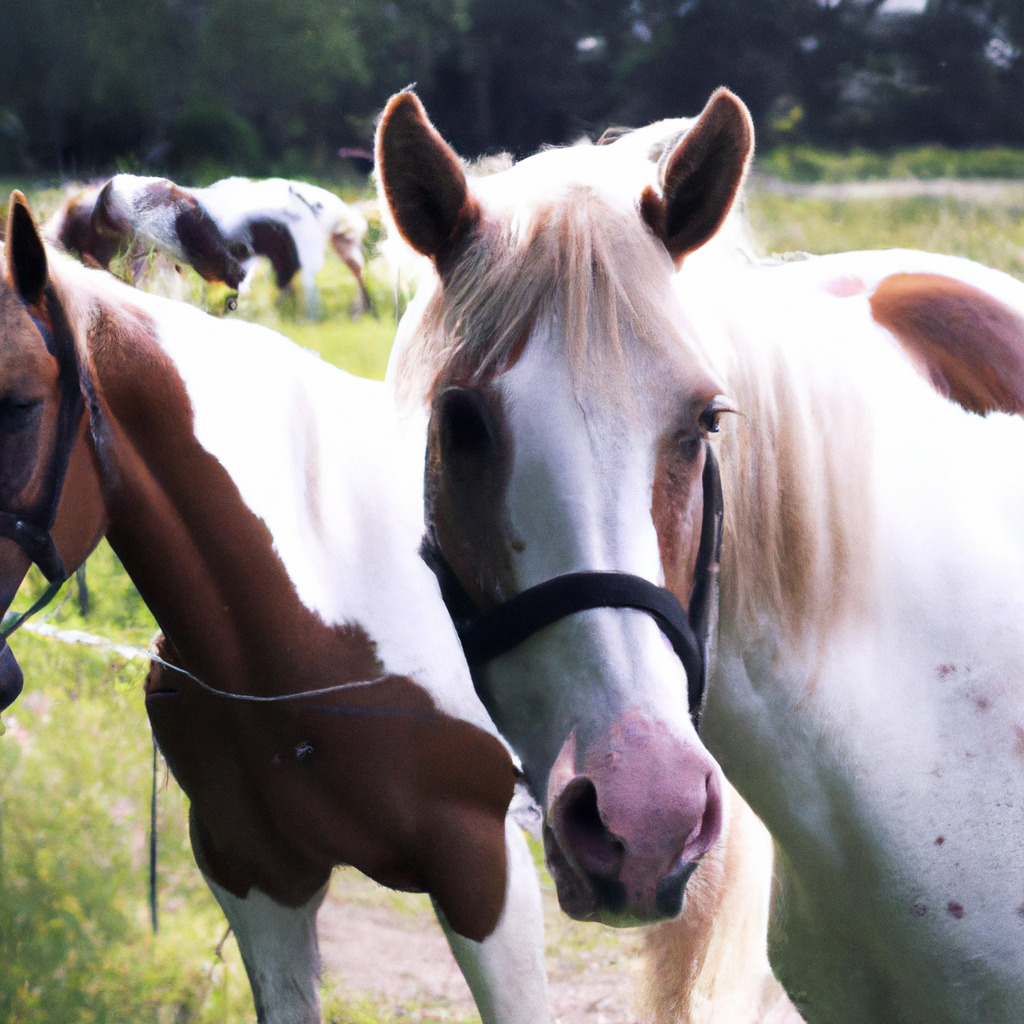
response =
{"points": [[198, 88]]}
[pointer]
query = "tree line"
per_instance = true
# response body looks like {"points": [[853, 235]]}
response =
{"points": [[278, 85]]}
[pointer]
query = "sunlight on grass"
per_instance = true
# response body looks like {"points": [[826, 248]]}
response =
{"points": [[993, 234]]}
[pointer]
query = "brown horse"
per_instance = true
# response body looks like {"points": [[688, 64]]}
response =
{"points": [[314, 705]]}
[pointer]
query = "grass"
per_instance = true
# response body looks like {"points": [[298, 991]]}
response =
{"points": [[992, 234], [75, 944]]}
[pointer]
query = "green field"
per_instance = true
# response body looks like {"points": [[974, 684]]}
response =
{"points": [[75, 942]]}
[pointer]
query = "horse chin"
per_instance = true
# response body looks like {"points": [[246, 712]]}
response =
{"points": [[11, 679], [585, 897]]}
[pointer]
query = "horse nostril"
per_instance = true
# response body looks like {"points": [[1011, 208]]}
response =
{"points": [[587, 840], [669, 893]]}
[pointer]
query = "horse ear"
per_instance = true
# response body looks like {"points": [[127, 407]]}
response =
{"points": [[702, 176], [26, 257], [423, 181]]}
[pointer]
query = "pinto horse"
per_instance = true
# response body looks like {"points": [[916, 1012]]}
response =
{"points": [[571, 487], [314, 704], [866, 682], [220, 231]]}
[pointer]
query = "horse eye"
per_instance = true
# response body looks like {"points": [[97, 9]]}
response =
{"points": [[16, 410], [709, 419]]}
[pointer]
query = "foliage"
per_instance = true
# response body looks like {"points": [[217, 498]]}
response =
{"points": [[275, 86], [807, 164]]}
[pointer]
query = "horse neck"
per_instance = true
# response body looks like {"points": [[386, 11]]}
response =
{"points": [[249, 503], [206, 511], [840, 455]]}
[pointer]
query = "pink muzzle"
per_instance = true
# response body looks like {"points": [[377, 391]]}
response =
{"points": [[627, 821]]}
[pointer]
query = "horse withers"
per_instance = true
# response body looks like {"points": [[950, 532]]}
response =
{"points": [[571, 486], [867, 693], [268, 509]]}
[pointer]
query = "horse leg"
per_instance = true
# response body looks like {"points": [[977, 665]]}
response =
{"points": [[710, 965], [280, 952], [313, 307], [505, 972]]}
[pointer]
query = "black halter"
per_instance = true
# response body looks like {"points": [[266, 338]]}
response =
{"points": [[30, 529], [486, 635]]}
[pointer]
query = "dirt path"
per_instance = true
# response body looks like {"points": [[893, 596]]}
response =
{"points": [[385, 949]]}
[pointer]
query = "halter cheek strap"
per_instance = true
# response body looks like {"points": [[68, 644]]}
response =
{"points": [[30, 528], [487, 635]]}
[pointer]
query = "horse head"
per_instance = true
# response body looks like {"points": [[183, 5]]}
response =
{"points": [[51, 504], [569, 413], [164, 214]]}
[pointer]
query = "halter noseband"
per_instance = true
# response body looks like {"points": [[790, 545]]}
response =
{"points": [[30, 529], [487, 635]]}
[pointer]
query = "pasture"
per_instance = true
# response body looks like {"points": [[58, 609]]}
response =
{"points": [[75, 762]]}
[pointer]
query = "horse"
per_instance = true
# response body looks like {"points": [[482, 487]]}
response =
{"points": [[92, 225], [565, 451], [221, 230], [310, 694], [591, 366]]}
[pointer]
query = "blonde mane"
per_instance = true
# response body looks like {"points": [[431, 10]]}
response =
{"points": [[580, 259], [796, 472]]}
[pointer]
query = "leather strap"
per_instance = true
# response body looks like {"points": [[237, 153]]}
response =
{"points": [[30, 529], [487, 635]]}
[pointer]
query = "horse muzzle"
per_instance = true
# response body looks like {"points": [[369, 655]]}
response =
{"points": [[628, 820], [11, 678]]}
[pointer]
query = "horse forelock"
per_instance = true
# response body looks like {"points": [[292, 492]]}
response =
{"points": [[579, 262]]}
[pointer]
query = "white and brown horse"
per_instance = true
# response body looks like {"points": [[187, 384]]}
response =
{"points": [[867, 693], [269, 511], [569, 415], [221, 231]]}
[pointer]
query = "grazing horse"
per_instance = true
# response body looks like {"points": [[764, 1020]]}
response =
{"points": [[97, 224], [570, 486], [313, 701], [866, 689], [220, 231]]}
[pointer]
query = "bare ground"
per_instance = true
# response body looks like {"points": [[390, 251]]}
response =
{"points": [[385, 950]]}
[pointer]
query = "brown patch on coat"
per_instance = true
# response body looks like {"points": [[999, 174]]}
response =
{"points": [[969, 345], [272, 239], [77, 233], [465, 494], [677, 506], [955, 910], [408, 795]]}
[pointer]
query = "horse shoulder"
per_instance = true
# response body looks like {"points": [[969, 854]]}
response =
{"points": [[965, 341]]}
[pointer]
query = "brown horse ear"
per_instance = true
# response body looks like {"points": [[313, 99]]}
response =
{"points": [[702, 176], [423, 181], [26, 257]]}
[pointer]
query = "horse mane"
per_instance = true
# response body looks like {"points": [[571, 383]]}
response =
{"points": [[796, 465], [579, 258]]}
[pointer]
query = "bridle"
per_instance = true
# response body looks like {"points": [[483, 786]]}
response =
{"points": [[30, 529], [487, 635]]}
